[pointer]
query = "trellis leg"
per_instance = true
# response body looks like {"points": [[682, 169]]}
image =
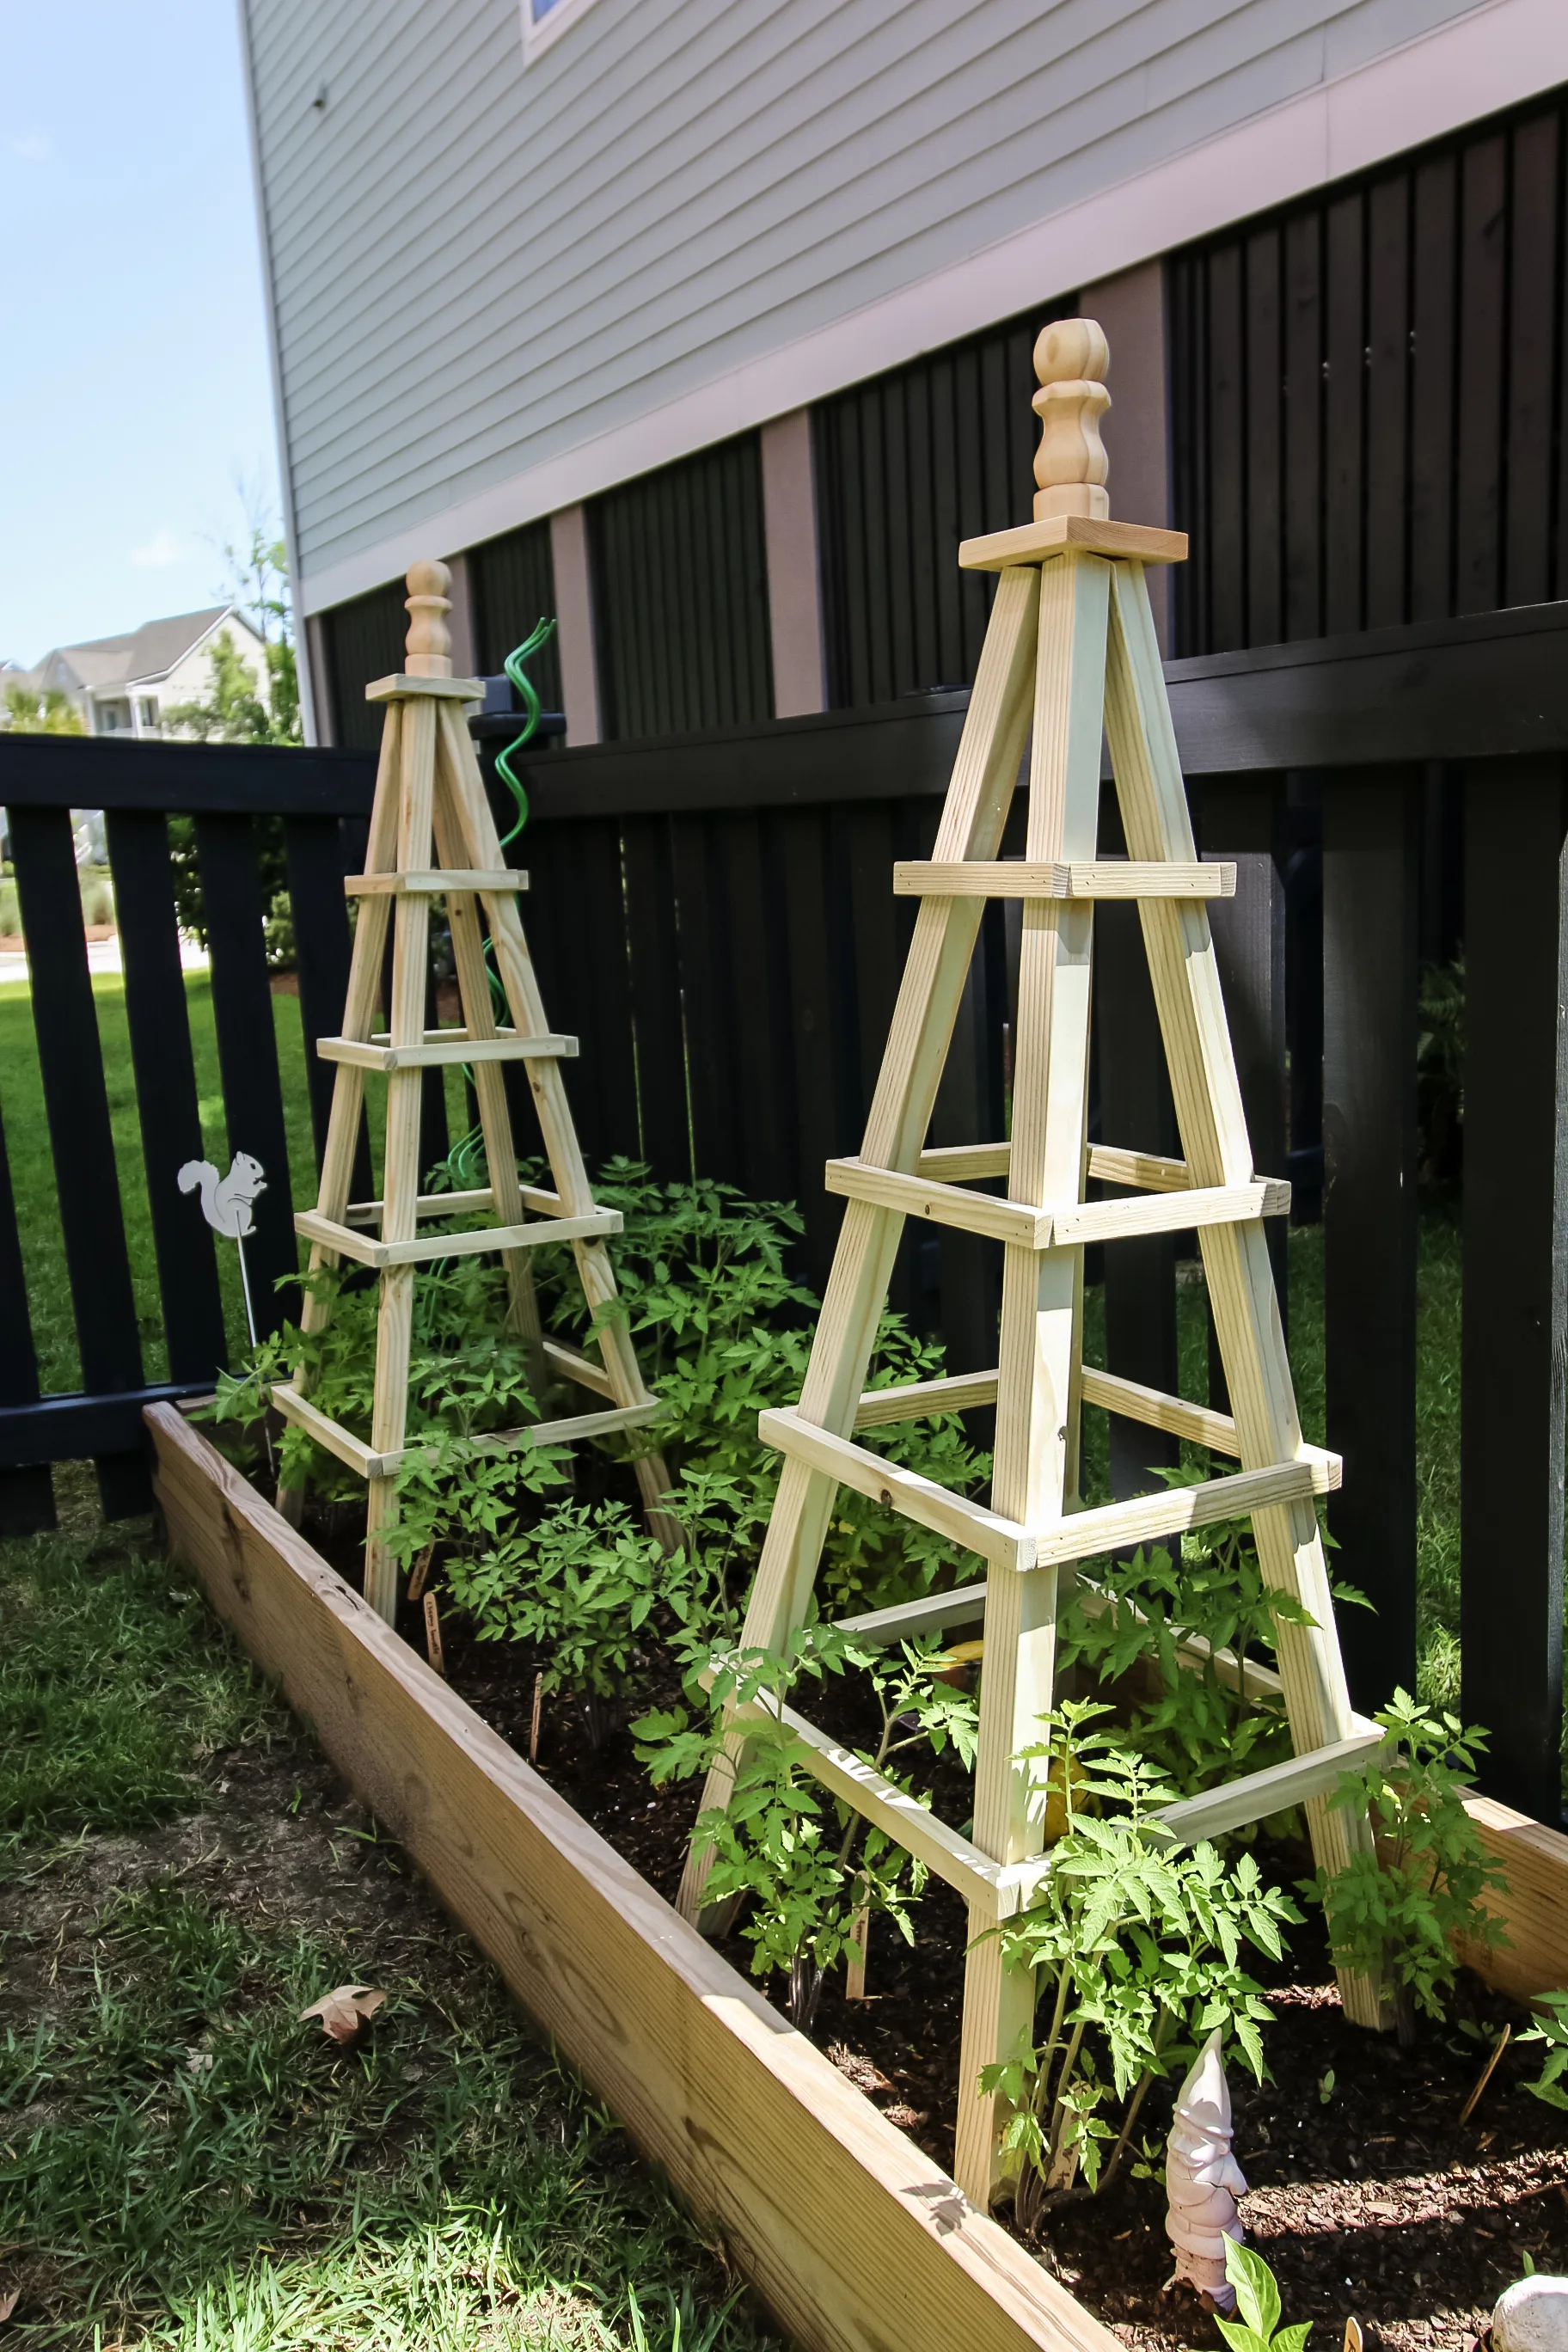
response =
{"points": [[359, 1019], [490, 1084], [1039, 1353], [1235, 1257], [400, 1188], [973, 819], [562, 1149]]}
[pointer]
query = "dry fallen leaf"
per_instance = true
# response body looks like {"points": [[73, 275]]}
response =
{"points": [[8, 2304], [345, 2011]]}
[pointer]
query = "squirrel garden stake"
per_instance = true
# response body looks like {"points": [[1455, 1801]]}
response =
{"points": [[227, 1204]]}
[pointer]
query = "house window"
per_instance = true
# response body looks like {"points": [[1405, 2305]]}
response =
{"points": [[147, 715], [544, 20]]}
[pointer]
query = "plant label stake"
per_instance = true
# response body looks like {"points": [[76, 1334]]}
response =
{"points": [[1203, 2179], [1070, 653], [226, 1204], [432, 835]]}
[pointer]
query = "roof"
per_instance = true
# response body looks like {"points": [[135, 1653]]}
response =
{"points": [[147, 653]]}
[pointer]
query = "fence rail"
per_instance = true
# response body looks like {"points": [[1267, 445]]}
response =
{"points": [[713, 917]]}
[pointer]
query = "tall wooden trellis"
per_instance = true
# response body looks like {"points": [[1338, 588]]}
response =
{"points": [[1071, 648], [432, 835]]}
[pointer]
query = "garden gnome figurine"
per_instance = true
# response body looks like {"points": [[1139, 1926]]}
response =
{"points": [[1203, 2179]]}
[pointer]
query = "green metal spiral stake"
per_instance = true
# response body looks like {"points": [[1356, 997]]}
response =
{"points": [[462, 1162]]}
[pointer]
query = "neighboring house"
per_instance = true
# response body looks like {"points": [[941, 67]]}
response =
{"points": [[123, 685], [707, 326]]}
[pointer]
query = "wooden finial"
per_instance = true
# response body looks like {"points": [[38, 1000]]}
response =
{"points": [[1071, 355], [429, 639]]}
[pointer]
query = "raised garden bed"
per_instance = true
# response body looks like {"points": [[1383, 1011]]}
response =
{"points": [[847, 2225]]}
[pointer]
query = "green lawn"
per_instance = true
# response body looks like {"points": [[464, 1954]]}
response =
{"points": [[185, 2162]]}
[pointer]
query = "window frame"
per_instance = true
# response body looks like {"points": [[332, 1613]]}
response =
{"points": [[538, 38]]}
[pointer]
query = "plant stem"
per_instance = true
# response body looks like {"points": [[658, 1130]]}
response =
{"points": [[1136, 2101]]}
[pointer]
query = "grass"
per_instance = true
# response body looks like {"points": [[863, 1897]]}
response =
{"points": [[185, 2164]]}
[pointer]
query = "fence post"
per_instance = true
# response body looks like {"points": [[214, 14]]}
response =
{"points": [[1515, 1274], [1370, 912]]}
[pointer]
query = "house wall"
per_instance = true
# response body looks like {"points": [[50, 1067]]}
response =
{"points": [[501, 288], [190, 680]]}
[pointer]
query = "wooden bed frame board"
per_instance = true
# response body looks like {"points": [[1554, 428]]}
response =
{"points": [[845, 2227], [852, 2237]]}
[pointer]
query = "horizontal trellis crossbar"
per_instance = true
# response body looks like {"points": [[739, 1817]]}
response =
{"points": [[1258, 1795], [935, 1612], [444, 1048], [358, 1456], [1109, 1163], [1082, 1535], [1105, 878], [365, 1251], [566, 1431], [458, 1205], [992, 1886], [977, 1529], [1023, 1226], [435, 885]]}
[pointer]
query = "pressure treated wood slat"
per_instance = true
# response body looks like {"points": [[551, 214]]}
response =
{"points": [[1035, 542], [438, 884], [918, 1399], [873, 2246], [442, 1049], [1109, 1163], [1170, 1212], [1069, 1227], [579, 1367], [929, 1505], [400, 687], [566, 1430], [911, 1824], [933, 1612], [339, 1441], [944, 1204], [348, 1243], [1198, 1422], [1256, 1795], [1084, 878]]}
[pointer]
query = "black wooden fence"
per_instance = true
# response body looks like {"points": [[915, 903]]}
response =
{"points": [[712, 917]]}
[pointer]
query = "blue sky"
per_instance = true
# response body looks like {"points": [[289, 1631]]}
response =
{"points": [[135, 398]]}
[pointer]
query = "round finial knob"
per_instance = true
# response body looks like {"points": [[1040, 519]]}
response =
{"points": [[1071, 355], [429, 651]]}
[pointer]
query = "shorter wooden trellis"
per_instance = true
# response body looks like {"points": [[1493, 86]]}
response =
{"points": [[1072, 644], [432, 835]]}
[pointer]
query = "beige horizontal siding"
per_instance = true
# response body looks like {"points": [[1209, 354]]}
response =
{"points": [[479, 265]]}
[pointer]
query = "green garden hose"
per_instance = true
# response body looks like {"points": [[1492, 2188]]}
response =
{"points": [[462, 1162]]}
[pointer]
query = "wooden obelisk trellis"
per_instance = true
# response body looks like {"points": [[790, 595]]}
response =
{"points": [[432, 835], [1071, 646]]}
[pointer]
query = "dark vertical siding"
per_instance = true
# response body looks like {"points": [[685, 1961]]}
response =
{"points": [[680, 596], [512, 582], [907, 465], [365, 640], [1368, 396]]}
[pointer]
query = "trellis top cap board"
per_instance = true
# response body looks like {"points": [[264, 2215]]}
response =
{"points": [[1072, 505]]}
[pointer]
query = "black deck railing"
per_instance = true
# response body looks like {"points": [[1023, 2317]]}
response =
{"points": [[712, 917]]}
